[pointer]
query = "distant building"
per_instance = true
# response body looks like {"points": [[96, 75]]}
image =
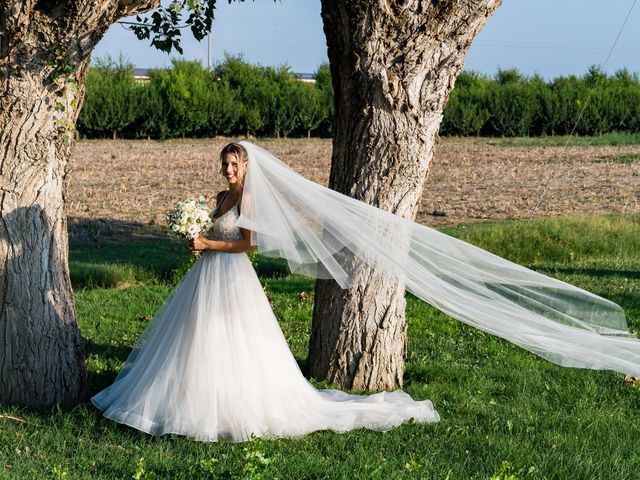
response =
{"points": [[306, 77], [141, 75]]}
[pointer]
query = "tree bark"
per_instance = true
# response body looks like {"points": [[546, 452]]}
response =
{"points": [[45, 49], [393, 65]]}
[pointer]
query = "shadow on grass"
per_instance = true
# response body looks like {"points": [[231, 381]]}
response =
{"points": [[292, 284], [106, 252], [109, 229], [592, 272], [119, 352], [110, 354], [111, 253]]}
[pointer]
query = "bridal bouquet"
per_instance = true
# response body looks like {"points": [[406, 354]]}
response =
{"points": [[190, 218]]}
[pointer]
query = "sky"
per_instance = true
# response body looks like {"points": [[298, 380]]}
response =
{"points": [[545, 37]]}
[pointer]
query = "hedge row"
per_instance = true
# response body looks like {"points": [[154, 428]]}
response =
{"points": [[510, 104], [237, 98], [189, 100]]}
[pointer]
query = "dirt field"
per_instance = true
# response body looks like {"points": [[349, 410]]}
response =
{"points": [[470, 180]]}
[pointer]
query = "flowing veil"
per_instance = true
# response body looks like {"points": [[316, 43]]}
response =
{"points": [[325, 234]]}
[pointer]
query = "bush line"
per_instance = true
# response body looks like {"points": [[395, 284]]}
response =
{"points": [[238, 98]]}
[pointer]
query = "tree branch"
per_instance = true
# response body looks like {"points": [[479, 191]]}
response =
{"points": [[132, 7]]}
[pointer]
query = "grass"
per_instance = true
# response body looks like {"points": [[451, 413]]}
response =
{"points": [[625, 159], [558, 240], [606, 139], [504, 411], [113, 263]]}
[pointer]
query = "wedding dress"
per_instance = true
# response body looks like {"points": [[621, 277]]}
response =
{"points": [[214, 364]]}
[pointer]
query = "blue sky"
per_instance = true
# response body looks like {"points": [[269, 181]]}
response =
{"points": [[548, 37]]}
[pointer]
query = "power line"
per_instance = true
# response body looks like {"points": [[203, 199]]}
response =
{"points": [[582, 110], [547, 47]]}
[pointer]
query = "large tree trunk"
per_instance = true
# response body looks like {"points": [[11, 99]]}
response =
{"points": [[393, 64], [44, 53]]}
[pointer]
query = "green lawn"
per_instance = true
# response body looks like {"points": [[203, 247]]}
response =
{"points": [[606, 139], [505, 412]]}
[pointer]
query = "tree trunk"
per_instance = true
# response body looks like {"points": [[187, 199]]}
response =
{"points": [[44, 54], [393, 65]]}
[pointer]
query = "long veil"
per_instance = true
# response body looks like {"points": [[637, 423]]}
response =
{"points": [[325, 234]]}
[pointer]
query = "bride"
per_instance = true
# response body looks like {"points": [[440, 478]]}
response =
{"points": [[214, 364]]}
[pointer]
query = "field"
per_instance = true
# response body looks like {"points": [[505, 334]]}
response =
{"points": [[506, 413], [470, 180]]}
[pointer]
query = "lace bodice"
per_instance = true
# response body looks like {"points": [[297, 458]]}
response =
{"points": [[224, 227]]}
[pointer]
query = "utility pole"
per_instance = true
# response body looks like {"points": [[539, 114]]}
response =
{"points": [[209, 51]]}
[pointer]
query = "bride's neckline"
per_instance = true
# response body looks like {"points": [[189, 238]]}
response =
{"points": [[220, 204]]}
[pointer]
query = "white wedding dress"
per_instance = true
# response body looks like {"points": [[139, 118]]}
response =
{"points": [[214, 364]]}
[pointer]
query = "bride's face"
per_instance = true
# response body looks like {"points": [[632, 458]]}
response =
{"points": [[232, 168]]}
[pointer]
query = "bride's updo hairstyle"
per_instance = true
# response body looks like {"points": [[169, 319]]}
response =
{"points": [[241, 155]]}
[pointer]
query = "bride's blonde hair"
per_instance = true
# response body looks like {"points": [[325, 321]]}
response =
{"points": [[241, 155]]}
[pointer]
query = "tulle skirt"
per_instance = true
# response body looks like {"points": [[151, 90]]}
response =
{"points": [[214, 364]]}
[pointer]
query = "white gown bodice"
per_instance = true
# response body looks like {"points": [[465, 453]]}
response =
{"points": [[224, 227]]}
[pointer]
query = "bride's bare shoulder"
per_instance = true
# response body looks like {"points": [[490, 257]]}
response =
{"points": [[220, 195]]}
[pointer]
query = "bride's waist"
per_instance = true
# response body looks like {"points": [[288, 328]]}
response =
{"points": [[221, 252], [222, 238]]}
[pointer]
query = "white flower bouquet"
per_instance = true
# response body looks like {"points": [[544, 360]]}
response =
{"points": [[190, 218]]}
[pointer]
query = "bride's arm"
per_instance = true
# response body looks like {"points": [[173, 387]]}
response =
{"points": [[229, 246]]}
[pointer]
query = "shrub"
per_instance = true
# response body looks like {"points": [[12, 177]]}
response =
{"points": [[111, 100]]}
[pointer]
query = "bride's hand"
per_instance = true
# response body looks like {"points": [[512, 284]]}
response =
{"points": [[197, 245]]}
